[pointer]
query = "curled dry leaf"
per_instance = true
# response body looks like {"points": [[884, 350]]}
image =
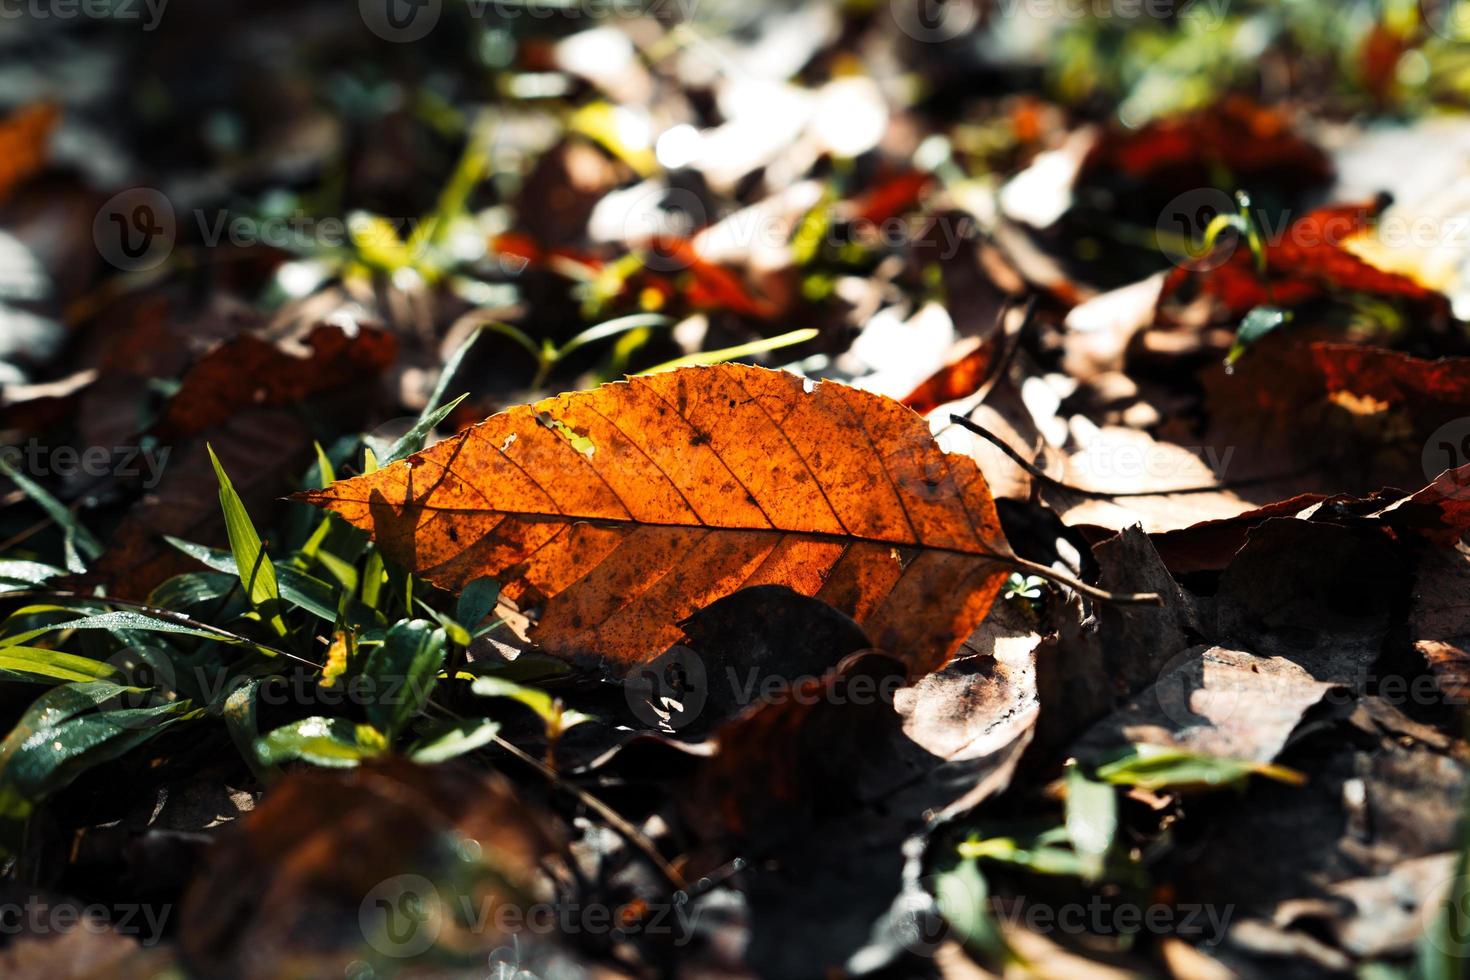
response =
{"points": [[622, 510]]}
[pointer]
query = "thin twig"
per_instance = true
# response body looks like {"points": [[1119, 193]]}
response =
{"points": [[1101, 595], [1012, 341], [1051, 481], [613, 819], [20, 537]]}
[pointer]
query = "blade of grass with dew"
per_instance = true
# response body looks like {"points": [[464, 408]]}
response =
{"points": [[143, 622], [260, 581], [16, 574], [62, 735]]}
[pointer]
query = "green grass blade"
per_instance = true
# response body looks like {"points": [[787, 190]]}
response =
{"points": [[56, 510], [256, 572]]}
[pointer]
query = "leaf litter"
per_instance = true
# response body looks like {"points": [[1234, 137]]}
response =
{"points": [[803, 491]]}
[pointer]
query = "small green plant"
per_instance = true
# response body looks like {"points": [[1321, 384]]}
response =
{"points": [[366, 645]]}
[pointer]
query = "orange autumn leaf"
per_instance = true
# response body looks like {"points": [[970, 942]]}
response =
{"points": [[892, 197], [24, 136], [960, 378], [613, 514]]}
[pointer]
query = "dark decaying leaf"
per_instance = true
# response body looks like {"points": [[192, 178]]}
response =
{"points": [[1378, 794], [393, 864], [260, 448], [1440, 621], [248, 371], [1224, 703], [821, 783]]}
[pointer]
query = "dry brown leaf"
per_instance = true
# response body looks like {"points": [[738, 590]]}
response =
{"points": [[625, 509], [249, 371], [361, 856]]}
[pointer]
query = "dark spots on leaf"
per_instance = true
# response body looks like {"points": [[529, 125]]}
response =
{"points": [[698, 439]]}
